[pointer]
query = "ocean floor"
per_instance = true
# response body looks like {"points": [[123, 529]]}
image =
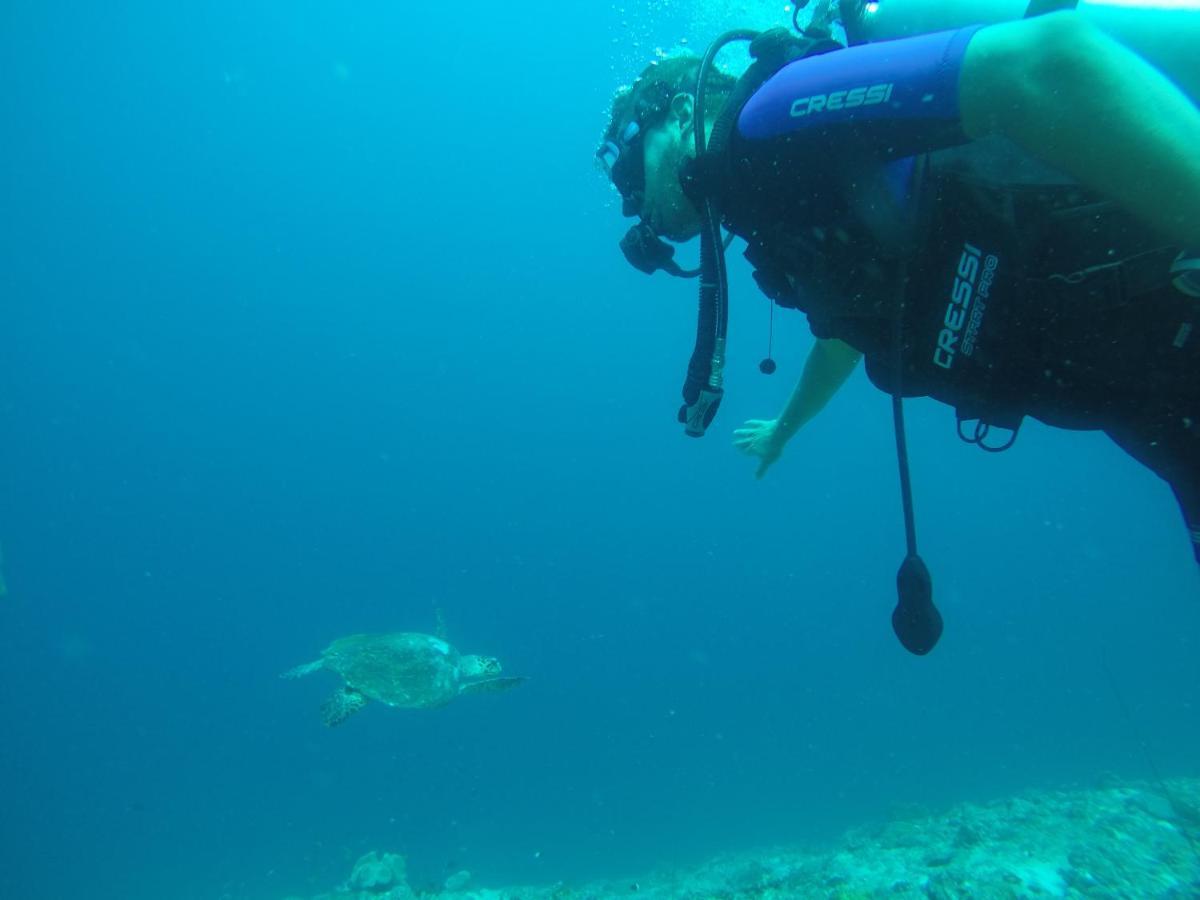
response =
{"points": [[1118, 840]]}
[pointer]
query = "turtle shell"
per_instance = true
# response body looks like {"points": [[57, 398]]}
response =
{"points": [[404, 669]]}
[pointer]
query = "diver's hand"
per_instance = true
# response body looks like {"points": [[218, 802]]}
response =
{"points": [[761, 438]]}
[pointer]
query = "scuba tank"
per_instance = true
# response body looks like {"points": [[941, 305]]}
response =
{"points": [[1164, 32]]}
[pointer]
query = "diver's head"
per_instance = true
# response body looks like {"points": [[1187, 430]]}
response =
{"points": [[651, 135]]}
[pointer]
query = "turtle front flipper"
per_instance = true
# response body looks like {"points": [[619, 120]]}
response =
{"points": [[341, 706], [490, 685]]}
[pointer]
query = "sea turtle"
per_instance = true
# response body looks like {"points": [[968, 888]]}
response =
{"points": [[405, 669]]}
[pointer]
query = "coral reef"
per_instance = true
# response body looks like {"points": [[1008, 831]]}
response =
{"points": [[1118, 840]]}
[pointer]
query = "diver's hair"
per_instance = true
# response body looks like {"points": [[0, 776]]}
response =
{"points": [[679, 74]]}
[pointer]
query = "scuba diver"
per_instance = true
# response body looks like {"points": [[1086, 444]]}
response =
{"points": [[994, 203]]}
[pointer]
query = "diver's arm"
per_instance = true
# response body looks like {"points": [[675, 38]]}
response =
{"points": [[829, 364], [1075, 98]]}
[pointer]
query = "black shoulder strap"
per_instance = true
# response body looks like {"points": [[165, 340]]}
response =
{"points": [[771, 51]]}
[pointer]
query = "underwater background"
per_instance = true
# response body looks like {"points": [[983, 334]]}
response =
{"points": [[312, 322]]}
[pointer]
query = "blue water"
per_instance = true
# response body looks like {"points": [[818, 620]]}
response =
{"points": [[313, 322]]}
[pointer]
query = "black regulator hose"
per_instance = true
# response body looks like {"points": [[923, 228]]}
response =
{"points": [[702, 391]]}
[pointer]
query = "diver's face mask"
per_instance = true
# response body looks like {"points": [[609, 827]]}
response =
{"points": [[624, 160], [623, 157]]}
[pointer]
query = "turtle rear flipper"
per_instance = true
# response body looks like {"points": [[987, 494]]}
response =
{"points": [[492, 685], [341, 706], [306, 669]]}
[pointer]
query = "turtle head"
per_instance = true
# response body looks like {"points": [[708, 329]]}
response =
{"points": [[480, 666]]}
